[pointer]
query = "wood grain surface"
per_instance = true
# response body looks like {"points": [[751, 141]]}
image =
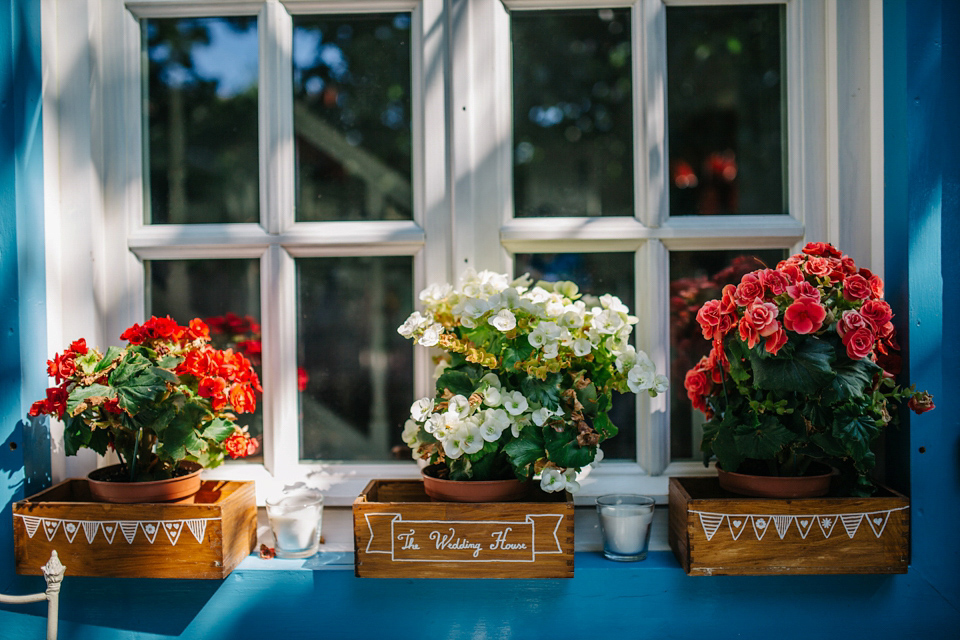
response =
{"points": [[399, 532], [713, 532], [137, 540]]}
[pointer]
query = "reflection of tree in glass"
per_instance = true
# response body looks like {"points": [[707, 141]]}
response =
{"points": [[573, 114], [352, 113], [725, 101], [201, 131]]}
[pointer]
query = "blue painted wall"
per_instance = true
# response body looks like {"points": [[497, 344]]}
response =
{"points": [[653, 599]]}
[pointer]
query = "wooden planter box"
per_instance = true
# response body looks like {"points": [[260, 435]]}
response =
{"points": [[400, 533], [205, 538], [713, 532]]}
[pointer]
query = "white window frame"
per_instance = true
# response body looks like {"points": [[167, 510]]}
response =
{"points": [[463, 200]]}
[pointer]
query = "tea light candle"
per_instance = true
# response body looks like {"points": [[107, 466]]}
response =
{"points": [[625, 523], [295, 519]]}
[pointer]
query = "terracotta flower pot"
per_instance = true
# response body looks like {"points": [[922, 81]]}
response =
{"points": [[809, 486], [474, 490], [168, 490]]}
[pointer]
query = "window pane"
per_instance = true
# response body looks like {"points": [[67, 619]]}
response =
{"points": [[695, 277], [358, 370], [595, 274], [351, 88], [200, 120], [572, 113], [223, 293], [726, 109]]}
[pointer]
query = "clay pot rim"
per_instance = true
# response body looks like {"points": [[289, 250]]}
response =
{"points": [[783, 487], [166, 490], [192, 467], [508, 489], [831, 471]]}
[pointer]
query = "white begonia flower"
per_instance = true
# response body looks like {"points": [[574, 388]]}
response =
{"points": [[640, 378], [555, 307], [608, 322], [519, 424], [494, 423], [538, 295], [490, 431], [551, 350], [514, 402], [453, 445], [551, 480], [541, 415], [411, 324], [440, 368], [613, 303], [472, 439], [435, 293], [421, 409], [410, 431], [626, 358], [570, 481], [582, 347], [459, 405], [435, 425], [597, 458], [537, 338], [572, 317], [431, 335], [492, 397], [491, 379], [504, 320], [660, 383]]}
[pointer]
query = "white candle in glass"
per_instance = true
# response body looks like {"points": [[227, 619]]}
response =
{"points": [[625, 528], [295, 520]]}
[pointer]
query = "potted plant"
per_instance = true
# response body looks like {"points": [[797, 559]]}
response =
{"points": [[525, 380], [166, 404], [801, 371]]}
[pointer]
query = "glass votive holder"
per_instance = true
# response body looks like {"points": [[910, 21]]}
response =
{"points": [[295, 520], [625, 521]]}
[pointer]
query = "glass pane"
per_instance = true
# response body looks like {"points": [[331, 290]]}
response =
{"points": [[351, 117], [356, 370], [726, 109], [200, 120], [695, 277], [223, 293], [595, 274], [572, 113]]}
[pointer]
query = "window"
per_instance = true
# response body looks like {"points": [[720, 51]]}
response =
{"points": [[345, 154]]}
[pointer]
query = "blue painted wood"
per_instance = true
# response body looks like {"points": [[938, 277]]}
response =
{"points": [[653, 599]]}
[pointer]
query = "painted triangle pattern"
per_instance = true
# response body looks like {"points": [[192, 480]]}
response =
{"points": [[109, 528], [761, 523], [878, 521], [70, 529], [198, 528], [90, 530], [710, 524]]}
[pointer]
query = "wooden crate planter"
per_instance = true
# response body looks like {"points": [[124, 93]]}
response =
{"points": [[400, 533], [203, 539], [713, 532]]}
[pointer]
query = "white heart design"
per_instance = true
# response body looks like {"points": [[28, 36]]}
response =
{"points": [[108, 528], [804, 522], [761, 523], [170, 526], [736, 523]]}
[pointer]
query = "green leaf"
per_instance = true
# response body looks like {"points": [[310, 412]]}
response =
{"points": [[524, 451], [806, 371], [854, 377], [112, 354], [562, 448], [855, 435], [99, 439], [76, 435], [137, 382], [763, 442], [218, 430], [543, 392], [79, 395], [515, 352], [735, 353], [169, 362], [458, 382]]}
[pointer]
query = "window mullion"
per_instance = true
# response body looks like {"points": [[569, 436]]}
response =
{"points": [[650, 111], [281, 446], [276, 118], [652, 266]]}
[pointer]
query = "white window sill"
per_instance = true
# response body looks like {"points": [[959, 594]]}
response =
{"points": [[336, 552]]}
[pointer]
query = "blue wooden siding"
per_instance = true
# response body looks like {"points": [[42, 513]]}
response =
{"points": [[653, 599]]}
